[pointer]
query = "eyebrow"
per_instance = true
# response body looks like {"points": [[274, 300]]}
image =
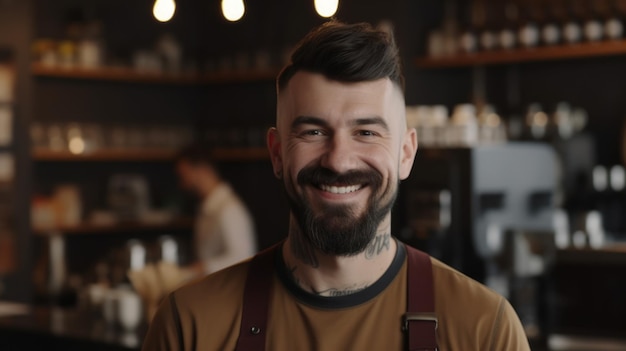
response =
{"points": [[300, 120], [369, 121]]}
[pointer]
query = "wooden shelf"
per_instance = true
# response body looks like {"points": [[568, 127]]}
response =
{"points": [[129, 75], [241, 154], [560, 52], [221, 154], [118, 228], [104, 155], [268, 74]]}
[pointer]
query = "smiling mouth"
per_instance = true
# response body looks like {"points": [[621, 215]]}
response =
{"points": [[343, 189]]}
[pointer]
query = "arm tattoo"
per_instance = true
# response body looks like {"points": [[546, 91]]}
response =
{"points": [[377, 245]]}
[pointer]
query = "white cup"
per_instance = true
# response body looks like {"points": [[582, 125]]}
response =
{"points": [[129, 309], [109, 306]]}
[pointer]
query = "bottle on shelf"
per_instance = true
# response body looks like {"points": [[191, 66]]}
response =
{"points": [[468, 39], [563, 127], [616, 20], [528, 31], [443, 41], [573, 27], [594, 28], [536, 122], [507, 36], [553, 14], [487, 38]]}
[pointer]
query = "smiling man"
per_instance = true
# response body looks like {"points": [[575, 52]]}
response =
{"points": [[340, 281]]}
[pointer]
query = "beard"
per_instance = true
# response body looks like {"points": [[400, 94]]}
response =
{"points": [[339, 230]]}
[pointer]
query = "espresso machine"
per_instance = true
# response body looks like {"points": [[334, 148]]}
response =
{"points": [[488, 211]]}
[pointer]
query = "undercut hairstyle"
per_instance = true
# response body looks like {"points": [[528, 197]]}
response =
{"points": [[346, 53]]}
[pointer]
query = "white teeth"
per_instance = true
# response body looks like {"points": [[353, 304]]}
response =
{"points": [[340, 189]]}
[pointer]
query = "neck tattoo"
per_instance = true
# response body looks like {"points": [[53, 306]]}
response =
{"points": [[340, 292], [380, 243], [306, 255]]}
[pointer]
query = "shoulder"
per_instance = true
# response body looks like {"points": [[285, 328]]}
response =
{"points": [[472, 314], [452, 284], [205, 313], [226, 283], [215, 290]]}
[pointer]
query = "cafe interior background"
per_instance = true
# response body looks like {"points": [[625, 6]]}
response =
{"points": [[518, 182]]}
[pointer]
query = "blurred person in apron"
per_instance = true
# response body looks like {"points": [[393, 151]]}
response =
{"points": [[224, 231]]}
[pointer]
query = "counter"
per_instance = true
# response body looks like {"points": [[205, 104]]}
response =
{"points": [[64, 329], [587, 292], [586, 301]]}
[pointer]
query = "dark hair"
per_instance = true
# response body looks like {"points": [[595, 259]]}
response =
{"points": [[347, 53], [197, 154]]}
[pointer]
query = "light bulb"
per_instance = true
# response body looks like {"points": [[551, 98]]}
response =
{"points": [[326, 8], [233, 10], [163, 10]]}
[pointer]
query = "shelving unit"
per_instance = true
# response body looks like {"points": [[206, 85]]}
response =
{"points": [[220, 154], [123, 227], [500, 57], [241, 154], [108, 155], [239, 76], [129, 75]]}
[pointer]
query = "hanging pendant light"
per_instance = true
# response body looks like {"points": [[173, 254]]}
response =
{"points": [[326, 8], [163, 10], [233, 10]]}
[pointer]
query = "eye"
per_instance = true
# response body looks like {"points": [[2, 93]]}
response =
{"points": [[308, 133], [366, 133]]}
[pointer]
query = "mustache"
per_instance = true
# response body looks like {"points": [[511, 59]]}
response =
{"points": [[319, 175]]}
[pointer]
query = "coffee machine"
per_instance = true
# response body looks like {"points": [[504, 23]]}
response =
{"points": [[486, 210]]}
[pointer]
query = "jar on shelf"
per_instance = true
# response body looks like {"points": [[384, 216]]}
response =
{"points": [[490, 126], [463, 128]]}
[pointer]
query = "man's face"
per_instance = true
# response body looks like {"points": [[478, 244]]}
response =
{"points": [[341, 149]]}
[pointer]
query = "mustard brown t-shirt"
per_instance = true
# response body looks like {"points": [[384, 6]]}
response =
{"points": [[206, 315]]}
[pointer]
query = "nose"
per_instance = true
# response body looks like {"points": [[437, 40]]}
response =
{"points": [[340, 154]]}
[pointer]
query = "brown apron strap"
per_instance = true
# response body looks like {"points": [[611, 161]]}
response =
{"points": [[256, 298], [420, 320]]}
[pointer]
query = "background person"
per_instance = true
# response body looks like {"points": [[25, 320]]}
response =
{"points": [[224, 231]]}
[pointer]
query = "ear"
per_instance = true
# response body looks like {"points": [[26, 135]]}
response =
{"points": [[407, 153], [274, 147]]}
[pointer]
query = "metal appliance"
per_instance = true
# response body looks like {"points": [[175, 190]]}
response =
{"points": [[487, 211]]}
